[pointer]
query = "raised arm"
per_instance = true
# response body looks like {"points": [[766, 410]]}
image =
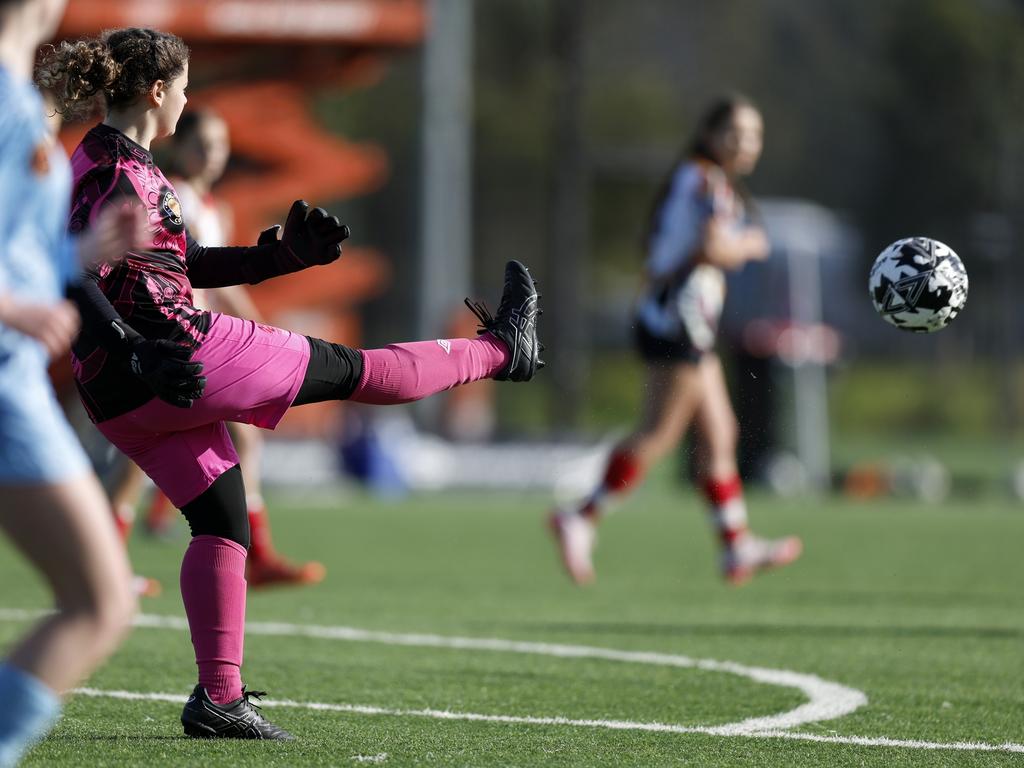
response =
{"points": [[308, 238]]}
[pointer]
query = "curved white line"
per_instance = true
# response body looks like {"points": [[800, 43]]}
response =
{"points": [[826, 700], [862, 741]]}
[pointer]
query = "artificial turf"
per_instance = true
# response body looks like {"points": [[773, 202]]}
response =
{"points": [[920, 607]]}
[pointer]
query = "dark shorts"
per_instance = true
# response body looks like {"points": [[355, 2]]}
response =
{"points": [[654, 349]]}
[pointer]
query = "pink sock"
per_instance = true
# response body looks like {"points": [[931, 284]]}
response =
{"points": [[213, 590], [401, 373]]}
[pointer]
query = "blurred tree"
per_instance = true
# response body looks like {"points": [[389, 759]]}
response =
{"points": [[946, 111], [908, 116]]}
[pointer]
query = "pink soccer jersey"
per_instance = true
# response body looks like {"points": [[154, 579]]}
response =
{"points": [[150, 287]]}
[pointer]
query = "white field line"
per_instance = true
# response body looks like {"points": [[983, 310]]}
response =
{"points": [[827, 700], [381, 757], [617, 725]]}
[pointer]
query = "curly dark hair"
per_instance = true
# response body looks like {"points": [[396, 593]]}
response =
{"points": [[120, 64]]}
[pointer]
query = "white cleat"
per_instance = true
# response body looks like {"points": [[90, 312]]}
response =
{"points": [[751, 554], [576, 538], [143, 586]]}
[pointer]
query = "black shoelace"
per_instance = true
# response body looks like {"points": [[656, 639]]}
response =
{"points": [[483, 314], [254, 694]]}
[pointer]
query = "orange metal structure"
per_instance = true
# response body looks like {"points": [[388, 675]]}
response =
{"points": [[256, 63], [364, 23]]}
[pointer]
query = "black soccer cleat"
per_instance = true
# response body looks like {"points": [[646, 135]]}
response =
{"points": [[515, 323], [239, 719]]}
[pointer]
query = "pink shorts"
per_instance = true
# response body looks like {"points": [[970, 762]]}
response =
{"points": [[253, 373]]}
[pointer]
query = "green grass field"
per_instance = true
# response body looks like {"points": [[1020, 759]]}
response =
{"points": [[920, 608]]}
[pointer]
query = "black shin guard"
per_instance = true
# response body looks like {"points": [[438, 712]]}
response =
{"points": [[333, 372], [220, 510]]}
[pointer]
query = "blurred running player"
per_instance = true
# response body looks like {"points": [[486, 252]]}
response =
{"points": [[700, 226], [201, 149], [252, 373], [51, 506]]}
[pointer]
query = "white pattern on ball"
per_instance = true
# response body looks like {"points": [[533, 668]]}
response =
{"points": [[918, 284]]}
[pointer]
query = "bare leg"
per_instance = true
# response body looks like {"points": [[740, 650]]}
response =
{"points": [[125, 496], [743, 553], [67, 532], [717, 425], [264, 566], [123, 501], [672, 396], [673, 393]]}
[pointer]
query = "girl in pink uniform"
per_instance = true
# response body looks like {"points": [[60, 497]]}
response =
{"points": [[240, 370], [201, 151]]}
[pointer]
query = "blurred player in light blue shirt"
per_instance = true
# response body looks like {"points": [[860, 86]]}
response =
{"points": [[37, 259], [51, 505]]}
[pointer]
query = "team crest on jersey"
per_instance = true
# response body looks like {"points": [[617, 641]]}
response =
{"points": [[170, 209]]}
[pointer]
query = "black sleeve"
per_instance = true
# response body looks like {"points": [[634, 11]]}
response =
{"points": [[219, 267], [100, 321]]}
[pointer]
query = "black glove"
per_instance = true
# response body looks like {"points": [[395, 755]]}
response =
{"points": [[309, 237], [167, 370], [270, 235], [163, 365]]}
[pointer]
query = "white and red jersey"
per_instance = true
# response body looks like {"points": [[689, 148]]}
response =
{"points": [[683, 298], [207, 224], [203, 213]]}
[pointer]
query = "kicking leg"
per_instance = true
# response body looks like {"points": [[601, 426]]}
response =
{"points": [[507, 349]]}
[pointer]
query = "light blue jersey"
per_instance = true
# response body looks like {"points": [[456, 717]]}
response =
{"points": [[36, 260], [35, 183]]}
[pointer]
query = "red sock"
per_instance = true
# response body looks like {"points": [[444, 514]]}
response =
{"points": [[213, 591], [401, 373], [727, 507], [622, 473], [160, 511], [123, 520], [260, 543]]}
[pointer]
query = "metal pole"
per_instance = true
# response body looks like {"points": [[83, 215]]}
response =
{"points": [[445, 226], [567, 226], [810, 384]]}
